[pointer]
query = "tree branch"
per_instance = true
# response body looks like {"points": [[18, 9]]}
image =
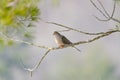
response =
{"points": [[103, 8], [98, 9], [24, 42], [108, 17], [38, 64], [98, 37], [69, 28]]}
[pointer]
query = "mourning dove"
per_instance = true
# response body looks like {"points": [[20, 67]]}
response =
{"points": [[62, 40]]}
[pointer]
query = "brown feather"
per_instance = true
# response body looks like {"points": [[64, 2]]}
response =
{"points": [[65, 40]]}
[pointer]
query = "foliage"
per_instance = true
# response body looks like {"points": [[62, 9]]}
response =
{"points": [[16, 16], [13, 12]]}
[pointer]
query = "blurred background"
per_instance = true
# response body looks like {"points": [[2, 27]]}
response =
{"points": [[98, 60]]}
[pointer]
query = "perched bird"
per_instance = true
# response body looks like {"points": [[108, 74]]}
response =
{"points": [[62, 40]]}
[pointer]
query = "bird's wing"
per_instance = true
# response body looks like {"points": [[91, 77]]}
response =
{"points": [[65, 40]]}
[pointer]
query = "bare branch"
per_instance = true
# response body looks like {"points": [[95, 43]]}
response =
{"points": [[114, 7], [116, 20], [20, 41], [38, 64], [98, 9], [64, 30], [98, 37], [110, 17], [102, 19], [106, 13], [28, 43], [103, 8], [67, 27], [42, 58]]}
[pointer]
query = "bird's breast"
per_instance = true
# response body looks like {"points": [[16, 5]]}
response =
{"points": [[58, 40]]}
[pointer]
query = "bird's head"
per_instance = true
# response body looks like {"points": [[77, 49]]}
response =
{"points": [[56, 33]]}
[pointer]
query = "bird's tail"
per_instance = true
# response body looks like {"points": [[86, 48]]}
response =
{"points": [[77, 49]]}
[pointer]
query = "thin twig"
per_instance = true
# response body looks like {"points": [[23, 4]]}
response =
{"points": [[42, 58], [67, 27], [28, 43], [70, 28], [102, 19], [103, 8], [25, 42], [63, 30], [98, 9], [38, 64], [116, 20], [114, 7], [98, 37], [107, 17]]}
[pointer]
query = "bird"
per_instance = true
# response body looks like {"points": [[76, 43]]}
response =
{"points": [[61, 40]]}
